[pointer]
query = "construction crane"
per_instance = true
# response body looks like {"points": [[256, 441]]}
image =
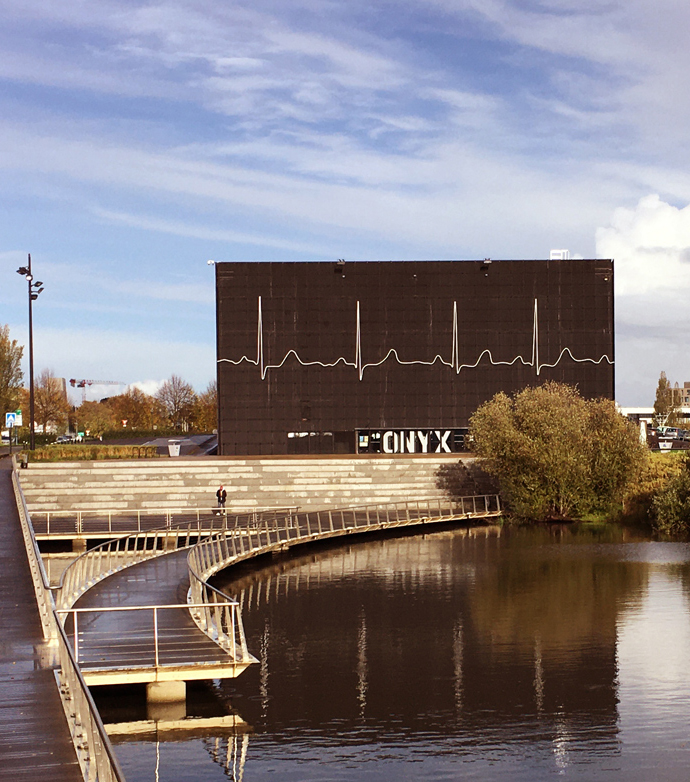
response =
{"points": [[84, 383]]}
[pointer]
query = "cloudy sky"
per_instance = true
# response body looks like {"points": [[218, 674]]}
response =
{"points": [[138, 140]]}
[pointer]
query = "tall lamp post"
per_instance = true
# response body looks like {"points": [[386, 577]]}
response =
{"points": [[34, 289]]}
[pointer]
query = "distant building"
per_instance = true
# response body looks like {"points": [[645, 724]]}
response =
{"points": [[395, 356], [680, 396]]}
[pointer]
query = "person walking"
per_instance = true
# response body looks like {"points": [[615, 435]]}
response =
{"points": [[222, 496]]}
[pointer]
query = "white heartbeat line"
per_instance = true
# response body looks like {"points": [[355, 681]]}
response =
{"points": [[454, 363]]}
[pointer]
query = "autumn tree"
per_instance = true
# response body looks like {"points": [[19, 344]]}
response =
{"points": [[10, 372], [177, 398], [205, 417], [137, 408], [94, 418], [671, 504], [556, 454], [50, 400]]}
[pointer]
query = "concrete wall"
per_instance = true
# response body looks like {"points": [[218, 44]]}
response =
{"points": [[251, 482]]}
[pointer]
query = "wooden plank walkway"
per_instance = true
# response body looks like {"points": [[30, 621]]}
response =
{"points": [[35, 741]]}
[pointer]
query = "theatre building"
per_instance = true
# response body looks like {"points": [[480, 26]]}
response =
{"points": [[395, 356]]}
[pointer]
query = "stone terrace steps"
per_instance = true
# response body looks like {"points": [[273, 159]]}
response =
{"points": [[307, 482]]}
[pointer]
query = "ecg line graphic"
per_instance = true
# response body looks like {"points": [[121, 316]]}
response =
{"points": [[454, 362]]}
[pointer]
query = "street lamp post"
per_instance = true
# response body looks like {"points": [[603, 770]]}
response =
{"points": [[34, 289]]}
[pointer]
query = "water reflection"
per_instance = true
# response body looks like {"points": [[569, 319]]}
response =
{"points": [[485, 653]]}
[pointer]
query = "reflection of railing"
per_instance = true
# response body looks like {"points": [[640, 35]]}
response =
{"points": [[125, 522], [94, 751], [230, 752], [230, 546], [160, 646]]}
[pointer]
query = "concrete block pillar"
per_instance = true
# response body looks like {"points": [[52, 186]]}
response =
{"points": [[166, 700]]}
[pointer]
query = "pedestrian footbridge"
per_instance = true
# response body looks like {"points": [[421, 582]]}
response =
{"points": [[139, 607]]}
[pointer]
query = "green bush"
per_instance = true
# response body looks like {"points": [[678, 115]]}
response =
{"points": [[671, 504], [555, 454], [76, 453], [654, 477], [151, 434]]}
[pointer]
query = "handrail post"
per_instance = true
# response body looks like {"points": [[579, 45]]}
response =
{"points": [[155, 634], [76, 636]]}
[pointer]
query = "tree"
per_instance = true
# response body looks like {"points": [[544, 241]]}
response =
{"points": [[665, 410], [555, 454], [137, 408], [177, 398], [206, 409], [10, 372], [50, 400], [671, 505], [94, 418]]}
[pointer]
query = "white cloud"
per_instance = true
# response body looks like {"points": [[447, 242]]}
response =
{"points": [[651, 248], [652, 242], [150, 387]]}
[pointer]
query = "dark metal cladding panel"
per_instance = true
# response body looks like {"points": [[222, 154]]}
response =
{"points": [[328, 349]]}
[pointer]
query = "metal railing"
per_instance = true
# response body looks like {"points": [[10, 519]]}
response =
{"points": [[222, 630], [93, 748], [119, 553], [230, 546], [125, 522], [215, 614], [44, 597]]}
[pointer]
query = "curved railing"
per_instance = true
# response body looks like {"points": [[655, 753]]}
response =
{"points": [[91, 743], [234, 545], [217, 615], [114, 555], [121, 552]]}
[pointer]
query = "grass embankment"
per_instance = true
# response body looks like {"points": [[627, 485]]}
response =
{"points": [[91, 453]]}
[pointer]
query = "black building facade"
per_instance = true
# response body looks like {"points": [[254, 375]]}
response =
{"points": [[395, 356]]}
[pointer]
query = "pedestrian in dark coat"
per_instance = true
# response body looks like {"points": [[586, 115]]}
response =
{"points": [[222, 496]]}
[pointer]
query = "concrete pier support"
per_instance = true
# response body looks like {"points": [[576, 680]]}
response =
{"points": [[166, 700]]}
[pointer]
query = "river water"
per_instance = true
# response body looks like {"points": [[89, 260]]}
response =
{"points": [[557, 652]]}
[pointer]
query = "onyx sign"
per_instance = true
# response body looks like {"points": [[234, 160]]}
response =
{"points": [[411, 441]]}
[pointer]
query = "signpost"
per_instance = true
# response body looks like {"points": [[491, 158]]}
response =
{"points": [[13, 420], [10, 421]]}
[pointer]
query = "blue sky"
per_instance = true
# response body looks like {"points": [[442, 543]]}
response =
{"points": [[139, 140]]}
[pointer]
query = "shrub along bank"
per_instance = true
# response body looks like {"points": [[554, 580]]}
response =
{"points": [[557, 455], [73, 453]]}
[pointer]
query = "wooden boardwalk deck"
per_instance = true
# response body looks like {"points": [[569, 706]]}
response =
{"points": [[35, 741]]}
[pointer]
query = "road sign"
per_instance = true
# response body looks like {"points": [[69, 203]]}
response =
{"points": [[10, 420], [18, 419]]}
